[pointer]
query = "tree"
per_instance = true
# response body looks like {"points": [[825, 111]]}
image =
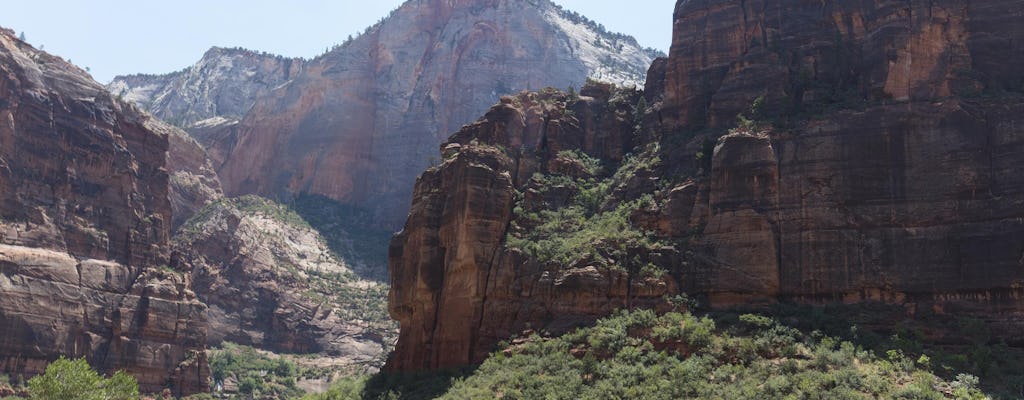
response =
{"points": [[21, 37], [74, 380]]}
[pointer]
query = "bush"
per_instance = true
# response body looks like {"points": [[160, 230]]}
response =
{"points": [[74, 380], [618, 358], [255, 372]]}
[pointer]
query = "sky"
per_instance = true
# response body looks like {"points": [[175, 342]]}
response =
{"points": [[119, 37]]}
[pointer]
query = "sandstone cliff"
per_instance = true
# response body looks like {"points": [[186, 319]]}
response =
{"points": [[873, 160], [459, 287], [358, 123], [270, 281], [85, 263]]}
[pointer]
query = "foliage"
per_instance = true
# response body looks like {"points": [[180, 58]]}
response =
{"points": [[589, 227], [257, 375], [66, 379], [394, 386], [643, 355], [956, 348]]}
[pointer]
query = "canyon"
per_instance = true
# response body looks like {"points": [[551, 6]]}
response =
{"points": [[784, 152]]}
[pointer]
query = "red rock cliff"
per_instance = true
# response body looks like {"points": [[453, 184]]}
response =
{"points": [[85, 263], [457, 289], [905, 193], [875, 161]]}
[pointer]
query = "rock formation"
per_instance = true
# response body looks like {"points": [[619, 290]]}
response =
{"points": [[358, 123], [85, 263], [886, 171], [873, 160], [270, 281], [194, 181], [456, 288], [223, 84]]}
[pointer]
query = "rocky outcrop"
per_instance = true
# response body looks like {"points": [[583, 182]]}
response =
{"points": [[358, 123], [85, 262], [224, 83], [456, 289], [873, 161], [270, 281]]}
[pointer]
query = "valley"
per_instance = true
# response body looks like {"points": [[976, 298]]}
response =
{"points": [[480, 199]]}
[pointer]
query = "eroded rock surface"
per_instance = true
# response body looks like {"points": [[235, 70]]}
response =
{"points": [[223, 84], [270, 281], [85, 262]]}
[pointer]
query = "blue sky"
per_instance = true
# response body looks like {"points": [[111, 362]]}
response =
{"points": [[114, 37]]}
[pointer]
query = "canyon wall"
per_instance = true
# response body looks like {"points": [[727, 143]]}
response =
{"points": [[873, 160], [85, 263]]}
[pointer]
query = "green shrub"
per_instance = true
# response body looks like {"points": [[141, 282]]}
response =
{"points": [[66, 379], [257, 374]]}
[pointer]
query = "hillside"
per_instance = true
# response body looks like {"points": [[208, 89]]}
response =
{"points": [[271, 281]]}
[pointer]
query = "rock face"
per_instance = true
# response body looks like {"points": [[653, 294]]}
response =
{"points": [[194, 181], [906, 195], [270, 281], [360, 122], [224, 83], [85, 263], [875, 162], [456, 289]]}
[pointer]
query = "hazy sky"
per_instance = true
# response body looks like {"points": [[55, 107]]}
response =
{"points": [[115, 37]]}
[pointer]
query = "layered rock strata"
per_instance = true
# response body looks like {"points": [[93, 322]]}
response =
{"points": [[85, 263]]}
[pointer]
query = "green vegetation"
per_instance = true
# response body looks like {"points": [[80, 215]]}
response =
{"points": [[589, 227], [66, 379], [643, 355], [952, 345], [248, 204], [256, 375]]}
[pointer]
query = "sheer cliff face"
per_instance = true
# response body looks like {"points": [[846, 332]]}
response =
{"points": [[798, 54], [85, 264], [907, 194], [224, 83], [879, 165], [360, 122]]}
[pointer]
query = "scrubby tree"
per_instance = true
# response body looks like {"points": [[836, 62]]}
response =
{"points": [[21, 36], [66, 379]]}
